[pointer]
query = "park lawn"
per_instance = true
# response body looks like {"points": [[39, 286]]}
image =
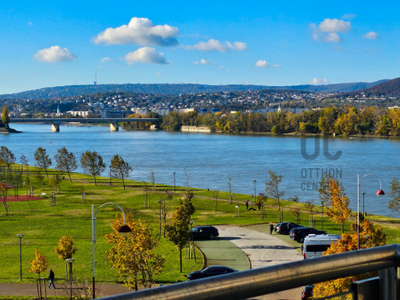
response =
{"points": [[44, 224]]}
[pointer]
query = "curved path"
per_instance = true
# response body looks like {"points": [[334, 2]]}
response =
{"points": [[244, 248]]}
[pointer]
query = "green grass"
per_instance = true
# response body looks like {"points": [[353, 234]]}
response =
{"points": [[44, 224]]}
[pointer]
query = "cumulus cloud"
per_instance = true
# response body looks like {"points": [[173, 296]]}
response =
{"points": [[318, 81], [262, 64], [349, 16], [202, 62], [237, 46], [277, 66], [145, 55], [327, 30], [54, 54], [371, 35], [105, 59], [334, 25], [139, 31], [209, 46]]}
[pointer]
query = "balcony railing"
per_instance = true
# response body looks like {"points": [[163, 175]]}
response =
{"points": [[266, 280]]}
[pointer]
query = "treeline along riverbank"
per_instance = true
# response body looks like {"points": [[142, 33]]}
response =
{"points": [[327, 121]]}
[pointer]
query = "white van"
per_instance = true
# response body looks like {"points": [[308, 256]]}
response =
{"points": [[315, 245]]}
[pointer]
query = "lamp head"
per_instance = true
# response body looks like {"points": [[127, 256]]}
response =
{"points": [[124, 230], [20, 235], [191, 222], [380, 193], [70, 260]]}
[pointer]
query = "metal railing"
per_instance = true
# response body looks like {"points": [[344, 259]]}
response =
{"points": [[266, 280]]}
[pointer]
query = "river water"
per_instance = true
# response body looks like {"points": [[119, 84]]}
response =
{"points": [[212, 158]]}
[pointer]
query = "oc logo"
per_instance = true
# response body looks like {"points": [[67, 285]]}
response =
{"points": [[317, 150]]}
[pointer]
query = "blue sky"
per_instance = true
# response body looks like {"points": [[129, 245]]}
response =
{"points": [[45, 43]]}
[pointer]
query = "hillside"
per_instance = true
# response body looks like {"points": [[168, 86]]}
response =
{"points": [[388, 87], [175, 89]]}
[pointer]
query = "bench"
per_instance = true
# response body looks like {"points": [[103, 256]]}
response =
{"points": [[44, 195]]}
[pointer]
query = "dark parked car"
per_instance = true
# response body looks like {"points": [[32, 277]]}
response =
{"points": [[307, 292], [210, 271], [204, 232], [300, 233], [285, 227]]}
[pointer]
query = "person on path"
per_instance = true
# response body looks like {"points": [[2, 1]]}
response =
{"points": [[247, 204], [259, 205], [271, 228], [51, 277]]}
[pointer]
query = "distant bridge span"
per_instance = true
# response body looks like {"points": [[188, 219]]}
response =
{"points": [[55, 122]]}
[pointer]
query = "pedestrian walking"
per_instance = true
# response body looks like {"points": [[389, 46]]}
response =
{"points": [[51, 278], [259, 205], [247, 204], [271, 228]]}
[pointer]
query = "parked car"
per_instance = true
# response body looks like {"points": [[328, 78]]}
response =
{"points": [[307, 292], [210, 271], [204, 232], [285, 227], [300, 233], [316, 245]]}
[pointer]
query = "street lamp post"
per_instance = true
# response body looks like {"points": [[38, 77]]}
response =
{"points": [[174, 183], [380, 192], [123, 230], [193, 249], [70, 261], [255, 197], [20, 235], [160, 202]]}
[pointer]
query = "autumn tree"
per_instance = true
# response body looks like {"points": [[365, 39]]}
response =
{"points": [[272, 187], [65, 249], [295, 210], [65, 161], [7, 158], [369, 237], [324, 197], [133, 256], [54, 181], [5, 116], [39, 264], [24, 162], [178, 231], [394, 204], [92, 163], [42, 160], [120, 168], [338, 204]]}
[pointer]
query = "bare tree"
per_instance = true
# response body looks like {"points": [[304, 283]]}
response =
{"points": [[65, 161], [92, 163], [230, 188], [215, 195], [119, 168], [152, 178], [188, 176], [43, 161], [272, 187]]}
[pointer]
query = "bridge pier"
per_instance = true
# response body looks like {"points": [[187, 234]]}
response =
{"points": [[55, 127], [114, 127]]}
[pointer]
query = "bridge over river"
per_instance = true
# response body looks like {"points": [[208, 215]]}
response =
{"points": [[55, 122]]}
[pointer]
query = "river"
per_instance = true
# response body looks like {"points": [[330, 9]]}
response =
{"points": [[212, 158]]}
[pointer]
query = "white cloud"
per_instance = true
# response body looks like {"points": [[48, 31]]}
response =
{"points": [[262, 64], [349, 16], [277, 66], [334, 25], [318, 81], [139, 31], [29, 23], [324, 32], [158, 74], [209, 46], [54, 54], [237, 46], [145, 55], [105, 59], [202, 62], [371, 35]]}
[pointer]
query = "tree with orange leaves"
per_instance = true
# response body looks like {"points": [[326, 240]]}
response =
{"points": [[369, 237], [338, 204], [39, 264], [133, 256]]}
